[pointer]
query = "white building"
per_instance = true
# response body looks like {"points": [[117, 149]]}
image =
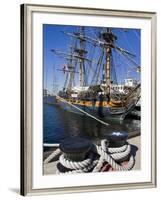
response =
{"points": [[121, 87], [129, 82]]}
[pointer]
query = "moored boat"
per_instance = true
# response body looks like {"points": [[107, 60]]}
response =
{"points": [[97, 98]]}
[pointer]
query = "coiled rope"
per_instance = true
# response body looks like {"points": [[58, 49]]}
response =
{"points": [[96, 159], [116, 155]]}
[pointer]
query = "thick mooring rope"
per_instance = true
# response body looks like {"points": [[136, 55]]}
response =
{"points": [[96, 158], [112, 158], [56, 153], [76, 165], [83, 170]]}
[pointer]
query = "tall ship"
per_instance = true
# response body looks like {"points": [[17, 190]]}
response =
{"points": [[90, 85]]}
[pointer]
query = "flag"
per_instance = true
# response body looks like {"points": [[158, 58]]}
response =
{"points": [[64, 68]]}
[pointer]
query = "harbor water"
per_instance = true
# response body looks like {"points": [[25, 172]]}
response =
{"points": [[59, 124]]}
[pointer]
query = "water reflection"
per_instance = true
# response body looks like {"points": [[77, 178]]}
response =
{"points": [[58, 124]]}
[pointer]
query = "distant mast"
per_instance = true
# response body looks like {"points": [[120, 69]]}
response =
{"points": [[71, 69], [80, 50]]}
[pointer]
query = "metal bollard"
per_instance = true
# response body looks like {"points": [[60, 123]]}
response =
{"points": [[74, 149], [117, 139]]}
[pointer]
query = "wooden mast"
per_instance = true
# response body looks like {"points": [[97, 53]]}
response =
{"points": [[81, 60], [109, 38], [107, 69], [71, 70], [81, 54]]}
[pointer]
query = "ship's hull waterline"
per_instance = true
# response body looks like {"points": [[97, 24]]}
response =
{"points": [[103, 112]]}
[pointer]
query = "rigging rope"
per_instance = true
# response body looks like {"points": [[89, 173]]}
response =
{"points": [[98, 79], [90, 69], [82, 111], [127, 57]]}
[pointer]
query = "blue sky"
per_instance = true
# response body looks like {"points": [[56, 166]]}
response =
{"points": [[53, 38]]}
